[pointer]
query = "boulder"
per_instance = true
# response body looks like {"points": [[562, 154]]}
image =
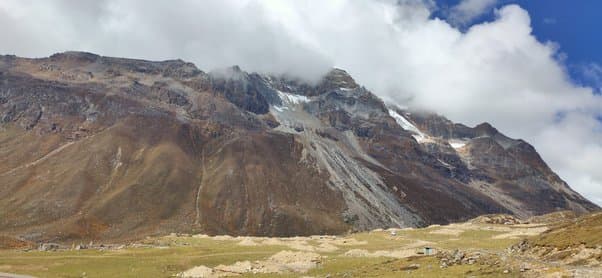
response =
{"points": [[49, 247]]}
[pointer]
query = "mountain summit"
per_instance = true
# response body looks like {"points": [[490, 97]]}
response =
{"points": [[111, 148]]}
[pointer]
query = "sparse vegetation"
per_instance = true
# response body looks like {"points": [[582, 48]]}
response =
{"points": [[586, 230], [169, 255]]}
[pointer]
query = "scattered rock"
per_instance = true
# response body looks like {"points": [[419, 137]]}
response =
{"points": [[281, 262], [198, 272], [500, 219], [80, 247], [236, 268], [520, 247], [405, 253], [411, 267], [247, 242], [49, 247], [457, 257], [223, 237]]}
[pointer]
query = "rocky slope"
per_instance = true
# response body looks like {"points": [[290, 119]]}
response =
{"points": [[100, 147]]}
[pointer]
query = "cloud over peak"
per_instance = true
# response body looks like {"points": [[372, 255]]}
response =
{"points": [[494, 71]]}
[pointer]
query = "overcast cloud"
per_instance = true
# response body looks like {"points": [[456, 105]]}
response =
{"points": [[496, 71]]}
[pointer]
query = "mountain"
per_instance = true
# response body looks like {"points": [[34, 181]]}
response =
{"points": [[97, 147]]}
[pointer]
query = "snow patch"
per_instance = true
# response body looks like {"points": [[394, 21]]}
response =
{"points": [[280, 108], [456, 144], [421, 138], [445, 164], [289, 101], [407, 125], [292, 98]]}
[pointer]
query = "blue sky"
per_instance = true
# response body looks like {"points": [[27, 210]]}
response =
{"points": [[573, 25]]}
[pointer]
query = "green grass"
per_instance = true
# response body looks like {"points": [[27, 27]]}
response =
{"points": [[469, 239], [134, 262], [182, 253], [377, 241], [385, 267]]}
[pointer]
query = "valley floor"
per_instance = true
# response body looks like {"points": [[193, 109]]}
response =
{"points": [[459, 250]]}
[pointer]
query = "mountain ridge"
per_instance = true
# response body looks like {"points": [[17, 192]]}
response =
{"points": [[102, 147]]}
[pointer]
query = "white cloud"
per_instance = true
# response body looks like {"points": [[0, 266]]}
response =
{"points": [[209, 33], [495, 71], [592, 74], [468, 10]]}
